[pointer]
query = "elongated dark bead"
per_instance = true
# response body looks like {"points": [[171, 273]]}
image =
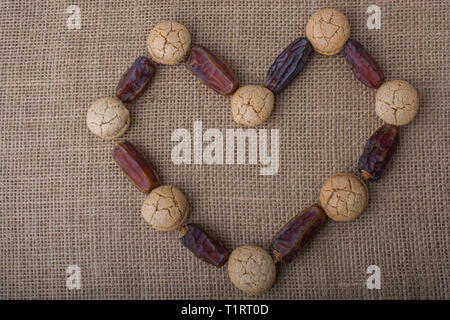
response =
{"points": [[288, 65], [364, 67], [378, 152], [135, 80], [136, 167], [212, 70], [203, 245], [295, 234]]}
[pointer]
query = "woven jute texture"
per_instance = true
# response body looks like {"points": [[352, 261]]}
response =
{"points": [[65, 202]]}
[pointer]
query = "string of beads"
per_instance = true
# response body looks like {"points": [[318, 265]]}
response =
{"points": [[343, 196]]}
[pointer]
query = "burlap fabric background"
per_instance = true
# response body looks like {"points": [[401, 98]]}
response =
{"points": [[64, 201]]}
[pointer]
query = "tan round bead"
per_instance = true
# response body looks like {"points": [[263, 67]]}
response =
{"points": [[165, 208], [328, 30], [251, 269], [344, 196], [108, 118], [397, 102], [252, 105], [169, 42]]}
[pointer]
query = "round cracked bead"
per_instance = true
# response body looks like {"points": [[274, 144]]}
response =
{"points": [[108, 118], [397, 102], [165, 208], [344, 196], [251, 269], [169, 42], [328, 30], [252, 105]]}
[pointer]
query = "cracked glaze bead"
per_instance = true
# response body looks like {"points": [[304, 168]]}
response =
{"points": [[108, 118], [165, 208], [251, 269], [344, 197], [169, 42], [328, 30], [397, 102], [252, 105]]}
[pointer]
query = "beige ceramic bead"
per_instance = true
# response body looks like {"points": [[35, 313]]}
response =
{"points": [[252, 105], [108, 118], [328, 30], [344, 196], [165, 208], [169, 42], [251, 269], [397, 102]]}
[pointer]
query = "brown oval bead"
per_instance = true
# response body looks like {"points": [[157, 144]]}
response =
{"points": [[135, 79], [364, 67], [295, 234], [203, 245], [135, 166], [378, 152], [212, 70], [288, 65]]}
